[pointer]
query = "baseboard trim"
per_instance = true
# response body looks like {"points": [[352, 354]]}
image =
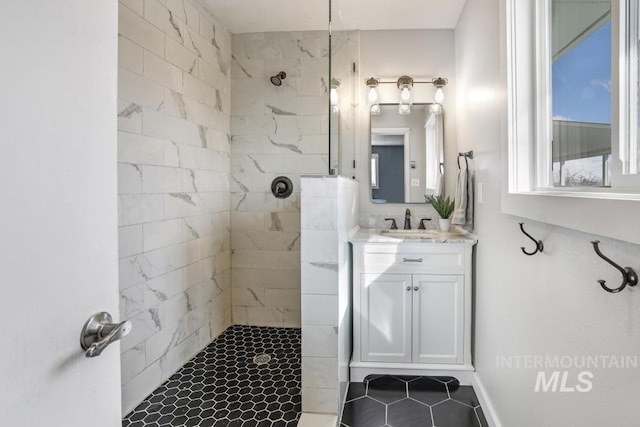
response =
{"points": [[359, 370], [308, 419], [487, 408]]}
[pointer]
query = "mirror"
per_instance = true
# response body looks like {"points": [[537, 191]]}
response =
{"points": [[406, 154]]}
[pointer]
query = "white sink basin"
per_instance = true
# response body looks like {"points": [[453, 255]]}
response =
{"points": [[425, 234], [414, 234]]}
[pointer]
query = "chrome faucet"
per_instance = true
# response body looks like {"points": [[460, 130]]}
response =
{"points": [[407, 219]]}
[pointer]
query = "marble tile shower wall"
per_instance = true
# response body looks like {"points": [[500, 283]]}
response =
{"points": [[174, 164], [275, 131], [330, 215]]}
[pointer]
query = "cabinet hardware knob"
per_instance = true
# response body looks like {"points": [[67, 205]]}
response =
{"points": [[408, 288], [412, 259], [416, 288]]}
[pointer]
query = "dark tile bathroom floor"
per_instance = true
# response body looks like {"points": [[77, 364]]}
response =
{"points": [[404, 401], [225, 386]]}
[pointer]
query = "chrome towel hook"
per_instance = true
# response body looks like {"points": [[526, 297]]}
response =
{"points": [[539, 245], [629, 277]]}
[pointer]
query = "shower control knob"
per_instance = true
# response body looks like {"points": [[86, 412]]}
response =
{"points": [[281, 187]]}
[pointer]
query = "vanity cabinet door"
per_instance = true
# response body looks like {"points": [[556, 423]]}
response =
{"points": [[386, 317], [438, 318]]}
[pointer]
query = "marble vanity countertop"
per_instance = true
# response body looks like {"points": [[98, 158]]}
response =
{"points": [[431, 235]]}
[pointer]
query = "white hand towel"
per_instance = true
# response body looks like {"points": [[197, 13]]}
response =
{"points": [[459, 215]]}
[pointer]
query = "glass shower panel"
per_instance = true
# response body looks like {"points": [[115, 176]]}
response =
{"points": [[344, 91]]}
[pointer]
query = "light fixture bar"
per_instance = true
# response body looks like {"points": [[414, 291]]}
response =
{"points": [[436, 81], [405, 84]]}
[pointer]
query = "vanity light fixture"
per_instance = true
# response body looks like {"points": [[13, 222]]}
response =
{"points": [[405, 84], [372, 84], [372, 96], [439, 83], [333, 96]]}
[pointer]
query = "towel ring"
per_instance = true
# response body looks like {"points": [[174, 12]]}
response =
{"points": [[467, 155]]}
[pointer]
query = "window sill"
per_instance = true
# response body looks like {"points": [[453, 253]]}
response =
{"points": [[587, 193], [613, 215]]}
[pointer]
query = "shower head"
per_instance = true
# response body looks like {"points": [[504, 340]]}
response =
{"points": [[278, 78]]}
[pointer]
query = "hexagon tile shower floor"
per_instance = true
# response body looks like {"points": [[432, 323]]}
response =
{"points": [[248, 376]]}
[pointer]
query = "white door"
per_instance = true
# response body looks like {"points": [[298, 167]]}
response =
{"points": [[386, 322], [58, 218], [438, 318]]}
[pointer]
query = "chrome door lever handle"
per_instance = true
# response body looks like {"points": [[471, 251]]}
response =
{"points": [[99, 331]]}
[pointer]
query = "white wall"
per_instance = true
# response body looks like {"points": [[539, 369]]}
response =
{"points": [[173, 154], [421, 54], [275, 131], [549, 304]]}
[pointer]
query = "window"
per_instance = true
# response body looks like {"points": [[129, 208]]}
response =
{"points": [[573, 116], [581, 52], [580, 96]]}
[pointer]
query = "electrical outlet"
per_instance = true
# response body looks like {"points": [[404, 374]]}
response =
{"points": [[415, 182]]}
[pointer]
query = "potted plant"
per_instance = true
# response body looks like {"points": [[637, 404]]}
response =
{"points": [[444, 208]]}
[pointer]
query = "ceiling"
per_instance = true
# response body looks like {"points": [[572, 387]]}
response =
{"points": [[250, 16]]}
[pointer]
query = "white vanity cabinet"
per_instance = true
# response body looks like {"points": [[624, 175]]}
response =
{"points": [[411, 306], [411, 318]]}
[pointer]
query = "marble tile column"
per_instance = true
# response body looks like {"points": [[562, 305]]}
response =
{"points": [[329, 216]]}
